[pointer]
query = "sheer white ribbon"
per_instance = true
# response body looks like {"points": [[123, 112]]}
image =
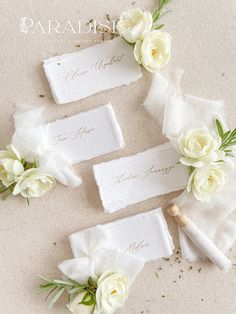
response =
{"points": [[93, 258], [31, 140], [177, 113]]}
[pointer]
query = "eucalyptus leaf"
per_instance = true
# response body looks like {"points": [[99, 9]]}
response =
{"points": [[219, 128], [3, 189], [75, 282], [75, 290], [56, 297], [43, 289], [56, 288], [228, 138], [158, 12], [87, 300], [5, 194], [85, 297], [90, 281], [45, 279], [62, 282], [226, 135], [159, 26]]}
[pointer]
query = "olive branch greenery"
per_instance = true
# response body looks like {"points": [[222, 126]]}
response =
{"points": [[228, 139], [158, 13], [56, 288]]}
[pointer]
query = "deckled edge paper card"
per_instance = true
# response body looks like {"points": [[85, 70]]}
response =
{"points": [[130, 180], [87, 135], [145, 235], [81, 74]]}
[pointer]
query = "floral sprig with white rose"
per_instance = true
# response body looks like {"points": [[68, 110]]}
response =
{"points": [[17, 176], [143, 30], [105, 293], [30, 166], [207, 154], [98, 281]]}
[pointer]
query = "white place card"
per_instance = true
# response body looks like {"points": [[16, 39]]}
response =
{"points": [[87, 134], [130, 180], [145, 235], [81, 74]]}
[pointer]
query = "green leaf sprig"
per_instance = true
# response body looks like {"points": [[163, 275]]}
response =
{"points": [[228, 139], [57, 287], [159, 12], [6, 191]]}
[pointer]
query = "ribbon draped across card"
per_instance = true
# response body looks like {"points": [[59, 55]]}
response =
{"points": [[146, 235], [130, 180], [81, 74]]}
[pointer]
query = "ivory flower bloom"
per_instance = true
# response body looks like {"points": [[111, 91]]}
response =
{"points": [[112, 291], [10, 165], [200, 147], [206, 181], [134, 24], [154, 51], [32, 183]]}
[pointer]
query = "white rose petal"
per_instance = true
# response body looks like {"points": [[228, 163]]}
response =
{"points": [[32, 183], [13, 149], [206, 181], [200, 147], [137, 51], [154, 51], [112, 291], [10, 166], [134, 24]]}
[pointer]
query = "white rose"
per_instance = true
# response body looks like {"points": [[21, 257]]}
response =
{"points": [[154, 51], [199, 147], [112, 291], [32, 183], [133, 24], [10, 165], [206, 181], [75, 307]]}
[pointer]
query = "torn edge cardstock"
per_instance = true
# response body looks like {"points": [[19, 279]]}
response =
{"points": [[86, 135], [130, 180], [92, 70], [145, 235]]}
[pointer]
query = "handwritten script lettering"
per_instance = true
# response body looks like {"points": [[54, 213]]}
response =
{"points": [[137, 246], [72, 136], [124, 178], [99, 65], [74, 75], [162, 171], [128, 177]]}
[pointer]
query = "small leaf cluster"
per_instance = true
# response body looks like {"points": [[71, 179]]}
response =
{"points": [[57, 287], [159, 13], [6, 191], [228, 139]]}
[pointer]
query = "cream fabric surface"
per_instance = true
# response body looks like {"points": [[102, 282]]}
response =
{"points": [[177, 113]]}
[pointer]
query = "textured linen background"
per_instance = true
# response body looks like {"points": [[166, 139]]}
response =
{"points": [[34, 239]]}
